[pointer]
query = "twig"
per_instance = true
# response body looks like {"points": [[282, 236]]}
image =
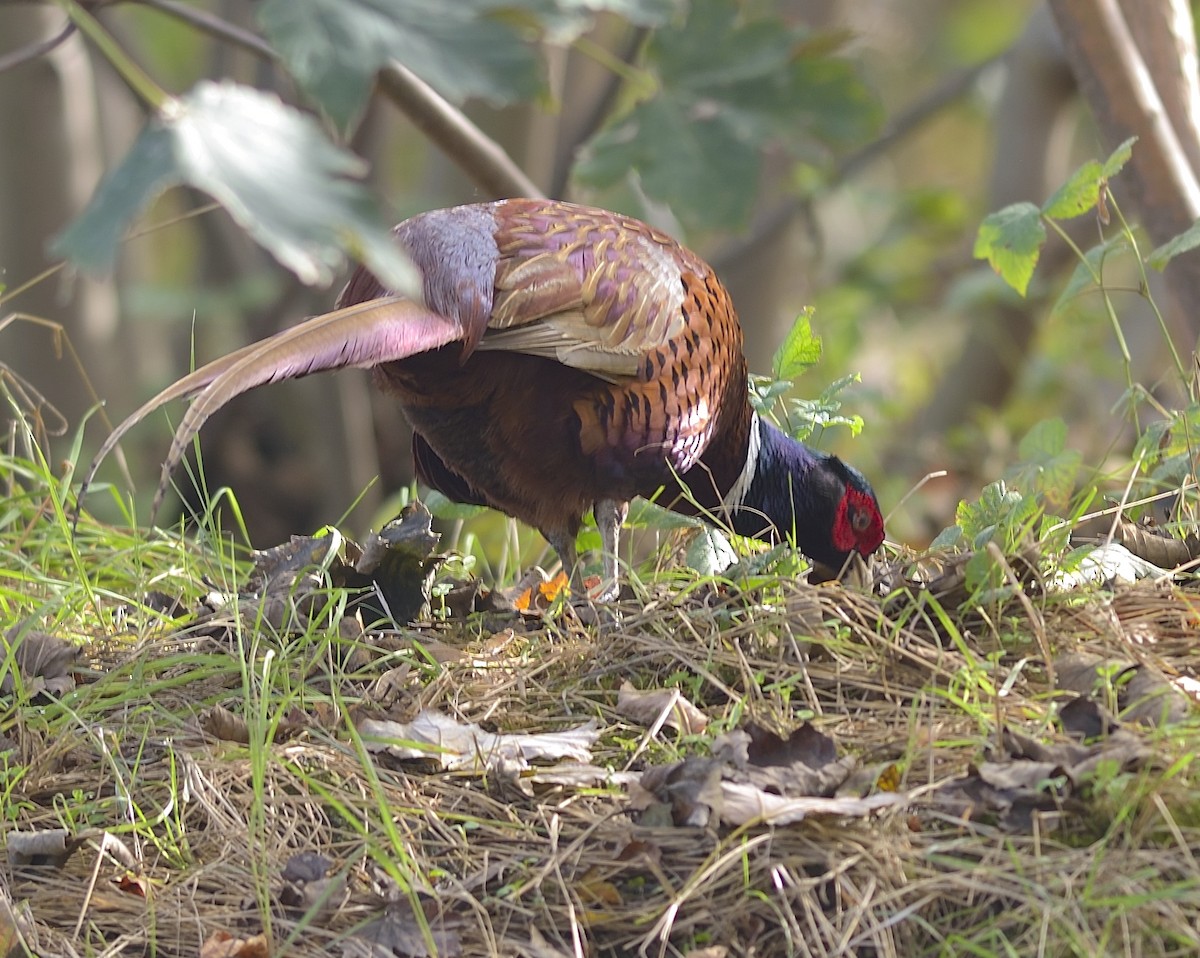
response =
{"points": [[35, 50], [483, 160], [904, 124], [213, 25], [928, 477], [597, 112], [481, 157]]}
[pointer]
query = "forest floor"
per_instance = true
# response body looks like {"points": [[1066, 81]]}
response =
{"points": [[201, 759]]}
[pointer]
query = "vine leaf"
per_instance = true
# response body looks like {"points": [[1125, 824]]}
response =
{"points": [[700, 129], [1082, 191], [800, 349], [462, 48], [1189, 239], [1011, 240], [299, 195]]}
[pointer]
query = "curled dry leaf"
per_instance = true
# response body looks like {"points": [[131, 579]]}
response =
{"points": [[945, 575], [223, 724], [1108, 563], [277, 569], [397, 933], [1143, 693], [690, 790], [228, 726], [538, 596], [1152, 543], [758, 775], [392, 573], [40, 661], [804, 763], [657, 707], [310, 884], [743, 803], [530, 582], [221, 944], [130, 883], [1026, 777], [47, 848], [466, 746], [396, 565], [539, 947]]}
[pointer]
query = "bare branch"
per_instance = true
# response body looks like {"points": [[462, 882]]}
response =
{"points": [[35, 50], [480, 157], [213, 25], [769, 225], [595, 112]]}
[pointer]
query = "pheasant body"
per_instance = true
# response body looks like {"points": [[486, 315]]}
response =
{"points": [[564, 359]]}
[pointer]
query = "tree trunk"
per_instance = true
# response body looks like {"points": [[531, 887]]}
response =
{"points": [[51, 157]]}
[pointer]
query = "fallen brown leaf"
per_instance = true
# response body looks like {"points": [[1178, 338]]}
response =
{"points": [[42, 662], [221, 944], [653, 707]]}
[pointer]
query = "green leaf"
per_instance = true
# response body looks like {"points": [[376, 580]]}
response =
{"points": [[730, 84], [1090, 268], [1048, 468], [1082, 191], [644, 514], [800, 349], [1118, 158], [1187, 240], [335, 47], [949, 538], [92, 241], [1078, 195], [1011, 240], [1044, 441], [999, 509], [270, 166], [806, 416], [707, 158], [709, 551], [443, 507]]}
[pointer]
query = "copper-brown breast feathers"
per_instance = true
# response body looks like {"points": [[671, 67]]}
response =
{"points": [[683, 386]]}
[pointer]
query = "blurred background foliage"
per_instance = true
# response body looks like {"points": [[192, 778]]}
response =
{"points": [[822, 153]]}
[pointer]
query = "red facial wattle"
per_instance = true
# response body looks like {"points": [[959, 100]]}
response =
{"points": [[857, 524]]}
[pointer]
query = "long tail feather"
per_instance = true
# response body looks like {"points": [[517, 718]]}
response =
{"points": [[363, 335]]}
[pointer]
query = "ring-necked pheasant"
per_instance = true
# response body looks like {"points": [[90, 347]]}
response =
{"points": [[563, 358]]}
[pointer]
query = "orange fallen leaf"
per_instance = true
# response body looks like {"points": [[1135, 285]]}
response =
{"points": [[598, 891], [548, 591], [889, 779], [555, 587], [221, 944]]}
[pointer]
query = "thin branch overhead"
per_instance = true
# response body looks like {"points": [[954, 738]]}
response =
{"points": [[904, 124], [34, 50], [213, 25], [480, 157]]}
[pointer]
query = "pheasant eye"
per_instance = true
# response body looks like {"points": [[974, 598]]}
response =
{"points": [[860, 520]]}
